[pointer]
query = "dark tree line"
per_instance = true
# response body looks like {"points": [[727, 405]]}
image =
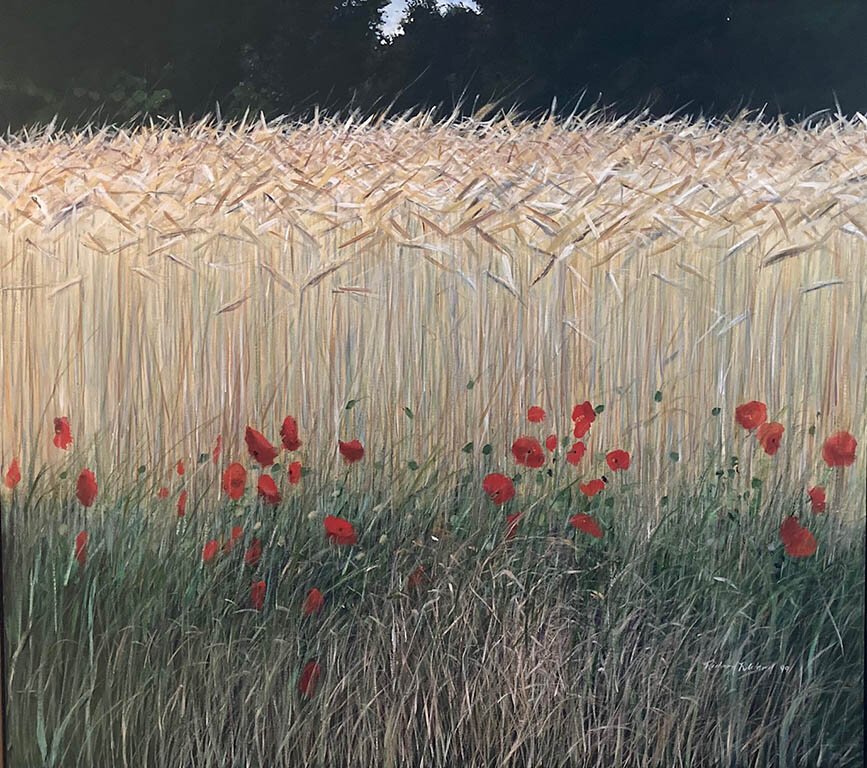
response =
{"points": [[110, 60]]}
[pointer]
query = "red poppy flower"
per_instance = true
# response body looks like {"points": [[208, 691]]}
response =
{"points": [[592, 488], [86, 488], [551, 443], [163, 493], [81, 548], [582, 427], [587, 524], [180, 468], [268, 490], [62, 433], [210, 550], [235, 480], [528, 452], [583, 415], [313, 603], [295, 473], [340, 531], [218, 448], [798, 541], [512, 524], [618, 460], [13, 475], [769, 435], [352, 451], [252, 555], [307, 683], [257, 594], [584, 411], [415, 578], [498, 487], [839, 450], [535, 414], [751, 415], [289, 434], [576, 453], [260, 449], [237, 533], [182, 504], [817, 498]]}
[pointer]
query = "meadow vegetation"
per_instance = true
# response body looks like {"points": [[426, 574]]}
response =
{"points": [[572, 475]]}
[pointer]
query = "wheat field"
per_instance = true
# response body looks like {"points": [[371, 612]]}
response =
{"points": [[164, 285]]}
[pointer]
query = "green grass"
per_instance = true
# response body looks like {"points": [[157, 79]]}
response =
{"points": [[551, 649]]}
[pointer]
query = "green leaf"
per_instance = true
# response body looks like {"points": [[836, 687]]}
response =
{"points": [[351, 404], [658, 396], [714, 411], [275, 467], [609, 501], [413, 465], [487, 449], [142, 469], [812, 431], [733, 460], [305, 471], [566, 441], [663, 502], [731, 473], [63, 475], [756, 482], [540, 478], [468, 448], [599, 408], [674, 456], [408, 412], [517, 478], [471, 384], [203, 457]]}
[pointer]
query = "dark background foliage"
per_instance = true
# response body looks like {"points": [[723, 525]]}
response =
{"points": [[117, 60]]}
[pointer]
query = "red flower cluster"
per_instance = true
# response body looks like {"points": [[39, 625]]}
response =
{"points": [[289, 434], [817, 499], [313, 603], [352, 451], [587, 524], [498, 487], [254, 553], [235, 481], [528, 452], [260, 449], [295, 473], [267, 489], [340, 531], [81, 548], [583, 415], [182, 504], [86, 488], [209, 551], [839, 450], [309, 676], [13, 475], [62, 433], [257, 594], [535, 414], [512, 524], [576, 453], [798, 541]]}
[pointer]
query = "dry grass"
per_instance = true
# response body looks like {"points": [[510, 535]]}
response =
{"points": [[161, 286]]}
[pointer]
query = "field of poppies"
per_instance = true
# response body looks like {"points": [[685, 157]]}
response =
{"points": [[544, 612], [389, 441]]}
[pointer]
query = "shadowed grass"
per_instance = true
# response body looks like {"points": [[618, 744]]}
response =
{"points": [[550, 649]]}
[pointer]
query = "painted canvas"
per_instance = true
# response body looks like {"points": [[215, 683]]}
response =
{"points": [[459, 435]]}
